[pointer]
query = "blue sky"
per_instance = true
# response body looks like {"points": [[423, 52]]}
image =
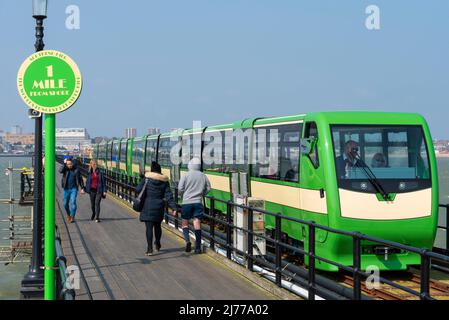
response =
{"points": [[166, 63]]}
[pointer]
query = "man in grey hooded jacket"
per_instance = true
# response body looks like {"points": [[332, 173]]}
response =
{"points": [[193, 186]]}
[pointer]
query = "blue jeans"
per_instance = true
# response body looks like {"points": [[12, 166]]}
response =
{"points": [[70, 194]]}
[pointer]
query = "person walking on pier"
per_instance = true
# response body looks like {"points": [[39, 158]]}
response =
{"points": [[71, 181], [96, 188], [157, 189], [193, 186]]}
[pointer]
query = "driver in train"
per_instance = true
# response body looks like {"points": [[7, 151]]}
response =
{"points": [[348, 159]]}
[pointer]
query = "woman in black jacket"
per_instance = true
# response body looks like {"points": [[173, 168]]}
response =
{"points": [[152, 214]]}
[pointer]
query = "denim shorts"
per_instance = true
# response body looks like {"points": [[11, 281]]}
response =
{"points": [[192, 210]]}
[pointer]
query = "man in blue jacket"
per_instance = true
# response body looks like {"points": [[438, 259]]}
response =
{"points": [[71, 182]]}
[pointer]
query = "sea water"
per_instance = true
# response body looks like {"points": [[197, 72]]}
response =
{"points": [[11, 274]]}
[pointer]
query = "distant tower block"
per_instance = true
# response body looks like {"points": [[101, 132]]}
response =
{"points": [[16, 129], [130, 133], [154, 131]]}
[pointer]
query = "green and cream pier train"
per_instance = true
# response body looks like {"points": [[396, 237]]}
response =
{"points": [[370, 172]]}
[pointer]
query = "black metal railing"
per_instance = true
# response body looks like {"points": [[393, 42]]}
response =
{"points": [[63, 292], [125, 187], [26, 187], [358, 274], [446, 227]]}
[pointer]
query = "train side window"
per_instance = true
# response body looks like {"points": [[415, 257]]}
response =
{"points": [[213, 143], [123, 148], [139, 154], [312, 132], [109, 151], [115, 151], [191, 147], [282, 165], [102, 151], [165, 145], [151, 151]]}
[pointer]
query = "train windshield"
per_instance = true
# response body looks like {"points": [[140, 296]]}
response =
{"points": [[396, 157]]}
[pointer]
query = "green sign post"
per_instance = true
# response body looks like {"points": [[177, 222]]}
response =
{"points": [[50, 82]]}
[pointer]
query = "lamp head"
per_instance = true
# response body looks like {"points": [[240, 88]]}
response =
{"points": [[40, 9]]}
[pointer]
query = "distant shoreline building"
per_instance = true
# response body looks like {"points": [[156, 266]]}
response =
{"points": [[72, 138], [19, 138]]}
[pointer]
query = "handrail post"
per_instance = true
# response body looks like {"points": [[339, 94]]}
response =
{"points": [[119, 183], [121, 188], [425, 276], [250, 239], [228, 229], [212, 223], [447, 229], [278, 250], [22, 185], [311, 255], [357, 267], [128, 186], [166, 212], [115, 183], [176, 201]]}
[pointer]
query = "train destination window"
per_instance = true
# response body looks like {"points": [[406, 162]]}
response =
{"points": [[283, 163], [397, 156]]}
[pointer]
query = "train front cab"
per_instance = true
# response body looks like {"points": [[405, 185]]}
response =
{"points": [[406, 172]]}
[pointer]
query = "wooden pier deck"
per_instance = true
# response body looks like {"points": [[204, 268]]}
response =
{"points": [[114, 266]]}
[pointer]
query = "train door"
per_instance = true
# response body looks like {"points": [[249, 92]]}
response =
{"points": [[312, 184]]}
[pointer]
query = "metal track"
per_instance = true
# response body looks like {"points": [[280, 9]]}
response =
{"points": [[438, 290], [409, 279]]}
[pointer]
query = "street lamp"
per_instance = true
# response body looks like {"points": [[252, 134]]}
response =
{"points": [[39, 13], [33, 282]]}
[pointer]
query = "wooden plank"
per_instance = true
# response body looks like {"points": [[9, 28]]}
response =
{"points": [[116, 248]]}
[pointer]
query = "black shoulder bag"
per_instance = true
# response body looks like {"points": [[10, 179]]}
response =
{"points": [[140, 200]]}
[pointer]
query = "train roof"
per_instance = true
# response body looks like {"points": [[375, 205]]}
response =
{"points": [[328, 117], [367, 118]]}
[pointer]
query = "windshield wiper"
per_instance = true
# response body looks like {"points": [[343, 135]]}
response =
{"points": [[370, 175]]}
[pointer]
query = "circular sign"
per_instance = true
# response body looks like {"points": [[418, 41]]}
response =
{"points": [[49, 81]]}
